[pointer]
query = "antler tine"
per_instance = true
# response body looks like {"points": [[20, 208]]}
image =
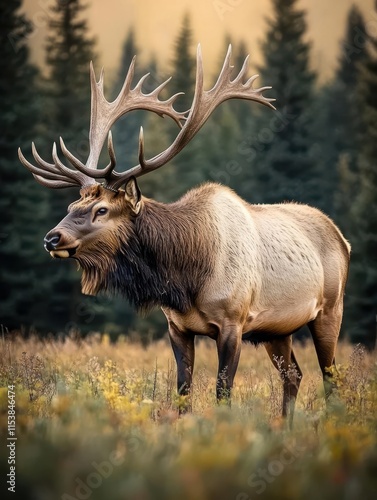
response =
{"points": [[110, 147], [126, 87], [70, 157], [60, 170], [50, 172], [141, 149], [111, 166], [161, 108], [177, 116], [88, 172], [139, 84], [79, 178], [40, 172], [243, 71], [49, 167], [227, 68], [117, 179], [54, 184], [204, 103], [225, 88]]}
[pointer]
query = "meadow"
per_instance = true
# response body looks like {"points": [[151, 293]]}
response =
{"points": [[98, 420]]}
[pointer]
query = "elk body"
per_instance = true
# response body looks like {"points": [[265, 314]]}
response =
{"points": [[216, 265]]}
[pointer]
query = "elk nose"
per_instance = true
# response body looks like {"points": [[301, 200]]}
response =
{"points": [[51, 241]]}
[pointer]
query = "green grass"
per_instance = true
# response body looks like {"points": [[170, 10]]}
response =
{"points": [[98, 420]]}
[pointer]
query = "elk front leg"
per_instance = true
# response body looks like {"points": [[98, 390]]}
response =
{"points": [[282, 356], [184, 353], [229, 350]]}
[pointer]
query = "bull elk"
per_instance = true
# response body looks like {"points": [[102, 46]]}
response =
{"points": [[216, 265]]}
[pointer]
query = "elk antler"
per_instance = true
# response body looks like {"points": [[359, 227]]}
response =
{"points": [[204, 103], [104, 114]]}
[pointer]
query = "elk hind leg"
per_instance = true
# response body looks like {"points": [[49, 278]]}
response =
{"points": [[282, 356], [325, 332]]}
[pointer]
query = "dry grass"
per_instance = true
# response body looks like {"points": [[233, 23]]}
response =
{"points": [[99, 420]]}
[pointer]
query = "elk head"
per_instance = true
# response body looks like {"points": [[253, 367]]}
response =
{"points": [[102, 220]]}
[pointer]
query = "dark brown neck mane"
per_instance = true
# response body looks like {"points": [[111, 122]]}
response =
{"points": [[163, 262]]}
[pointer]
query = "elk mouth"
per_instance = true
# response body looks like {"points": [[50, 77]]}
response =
{"points": [[63, 253]]}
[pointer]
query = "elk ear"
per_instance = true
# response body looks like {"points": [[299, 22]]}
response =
{"points": [[133, 195]]}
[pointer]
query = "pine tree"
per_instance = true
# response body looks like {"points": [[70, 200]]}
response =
{"points": [[363, 284], [69, 51], [353, 49], [183, 66], [126, 130], [338, 130], [338, 114], [22, 201], [280, 143], [187, 164], [130, 49], [346, 122]]}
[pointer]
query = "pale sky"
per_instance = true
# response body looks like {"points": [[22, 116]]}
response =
{"points": [[157, 24]]}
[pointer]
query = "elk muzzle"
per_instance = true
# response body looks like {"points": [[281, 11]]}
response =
{"points": [[54, 244]]}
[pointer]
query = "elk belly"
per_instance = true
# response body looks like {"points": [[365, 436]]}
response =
{"points": [[59, 254]]}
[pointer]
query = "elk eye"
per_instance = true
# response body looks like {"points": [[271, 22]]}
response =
{"points": [[102, 211]]}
